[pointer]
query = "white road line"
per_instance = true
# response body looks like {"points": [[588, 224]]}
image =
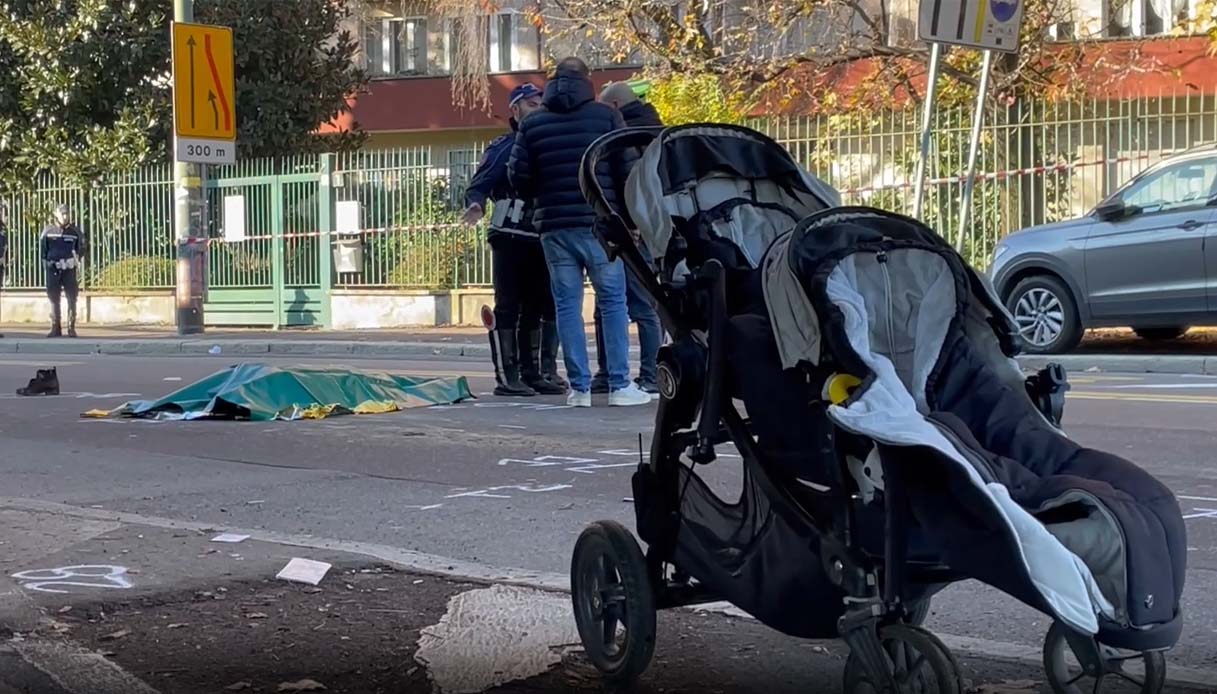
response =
{"points": [[1196, 498], [559, 582], [1160, 386]]}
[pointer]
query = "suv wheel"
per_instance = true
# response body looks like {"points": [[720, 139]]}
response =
{"points": [[1046, 315], [1160, 334]]}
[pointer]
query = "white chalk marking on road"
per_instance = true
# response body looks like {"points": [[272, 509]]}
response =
{"points": [[43, 364], [591, 468], [1201, 513], [1198, 498], [438, 565], [173, 378], [105, 576], [77, 670], [546, 461], [529, 488], [512, 426]]}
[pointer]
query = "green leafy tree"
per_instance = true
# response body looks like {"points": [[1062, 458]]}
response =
{"points": [[695, 99], [85, 89]]}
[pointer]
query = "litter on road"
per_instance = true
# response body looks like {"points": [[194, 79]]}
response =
{"points": [[304, 571], [230, 538]]}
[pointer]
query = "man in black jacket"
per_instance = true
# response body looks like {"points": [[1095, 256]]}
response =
{"points": [[524, 339], [544, 167], [637, 114]]}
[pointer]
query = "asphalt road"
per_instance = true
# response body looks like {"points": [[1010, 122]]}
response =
{"points": [[507, 483]]}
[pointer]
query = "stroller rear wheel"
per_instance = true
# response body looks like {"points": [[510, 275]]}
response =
{"points": [[614, 601], [1073, 678], [919, 662]]}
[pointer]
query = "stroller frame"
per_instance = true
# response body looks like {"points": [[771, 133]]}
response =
{"points": [[613, 581]]}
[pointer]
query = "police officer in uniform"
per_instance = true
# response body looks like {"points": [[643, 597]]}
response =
{"points": [[62, 246], [524, 338]]}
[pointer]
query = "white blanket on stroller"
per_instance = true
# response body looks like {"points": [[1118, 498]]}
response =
{"points": [[888, 412]]}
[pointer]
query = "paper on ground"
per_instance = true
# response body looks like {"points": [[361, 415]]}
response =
{"points": [[304, 571], [230, 537]]}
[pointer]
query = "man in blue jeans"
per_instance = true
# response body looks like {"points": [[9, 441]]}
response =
{"points": [[544, 166]]}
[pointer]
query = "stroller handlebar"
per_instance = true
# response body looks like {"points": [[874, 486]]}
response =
{"points": [[609, 144]]}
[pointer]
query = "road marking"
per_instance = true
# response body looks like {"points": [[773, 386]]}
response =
{"points": [[1147, 397], [448, 567], [43, 364], [1201, 513], [1195, 498], [101, 575], [1164, 386]]}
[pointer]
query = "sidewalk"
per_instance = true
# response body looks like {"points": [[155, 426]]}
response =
{"points": [[175, 612], [1105, 350]]}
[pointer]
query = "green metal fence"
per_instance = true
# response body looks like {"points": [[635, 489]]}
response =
{"points": [[129, 220], [1039, 162]]}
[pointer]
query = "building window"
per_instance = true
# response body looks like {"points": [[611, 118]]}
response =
{"points": [[1145, 17], [515, 43], [405, 46]]}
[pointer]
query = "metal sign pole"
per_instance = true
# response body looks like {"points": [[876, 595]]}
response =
{"points": [[978, 119], [927, 123], [189, 224]]}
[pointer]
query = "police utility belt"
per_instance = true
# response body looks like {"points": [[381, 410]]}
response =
{"points": [[507, 216], [64, 264]]}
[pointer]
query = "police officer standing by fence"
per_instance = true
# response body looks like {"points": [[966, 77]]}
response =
{"points": [[524, 336], [62, 246]]}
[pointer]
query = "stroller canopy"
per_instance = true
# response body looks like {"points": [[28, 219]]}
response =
{"points": [[741, 185]]}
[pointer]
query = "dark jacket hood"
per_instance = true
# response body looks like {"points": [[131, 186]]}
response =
{"points": [[640, 114], [567, 91]]}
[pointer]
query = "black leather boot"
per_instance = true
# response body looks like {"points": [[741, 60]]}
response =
{"points": [[71, 321], [44, 382], [505, 353], [56, 322], [530, 364], [549, 355]]}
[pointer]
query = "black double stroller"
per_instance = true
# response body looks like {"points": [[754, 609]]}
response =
{"points": [[891, 445]]}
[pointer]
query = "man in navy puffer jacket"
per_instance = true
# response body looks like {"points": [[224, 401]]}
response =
{"points": [[544, 166]]}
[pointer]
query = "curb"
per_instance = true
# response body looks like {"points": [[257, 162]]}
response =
{"points": [[1127, 363], [298, 348]]}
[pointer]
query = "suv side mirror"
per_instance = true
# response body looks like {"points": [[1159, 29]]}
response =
{"points": [[1112, 210]]}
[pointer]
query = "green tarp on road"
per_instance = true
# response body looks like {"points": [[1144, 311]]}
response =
{"points": [[262, 393]]}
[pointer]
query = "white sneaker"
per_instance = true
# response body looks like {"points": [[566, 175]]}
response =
{"points": [[578, 399], [629, 396]]}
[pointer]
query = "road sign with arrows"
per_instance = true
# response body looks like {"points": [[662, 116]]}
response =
{"points": [[204, 100]]}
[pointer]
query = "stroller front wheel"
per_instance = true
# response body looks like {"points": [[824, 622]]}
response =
{"points": [[614, 601], [1067, 677]]}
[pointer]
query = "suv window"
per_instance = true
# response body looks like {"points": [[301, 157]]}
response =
{"points": [[1186, 184]]}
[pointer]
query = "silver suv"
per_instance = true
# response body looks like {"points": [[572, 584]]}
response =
{"points": [[1142, 259]]}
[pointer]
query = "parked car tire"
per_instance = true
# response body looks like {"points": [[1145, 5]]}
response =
{"points": [[1161, 334], [1046, 315]]}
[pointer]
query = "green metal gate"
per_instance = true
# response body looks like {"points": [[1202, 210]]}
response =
{"points": [[279, 274]]}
